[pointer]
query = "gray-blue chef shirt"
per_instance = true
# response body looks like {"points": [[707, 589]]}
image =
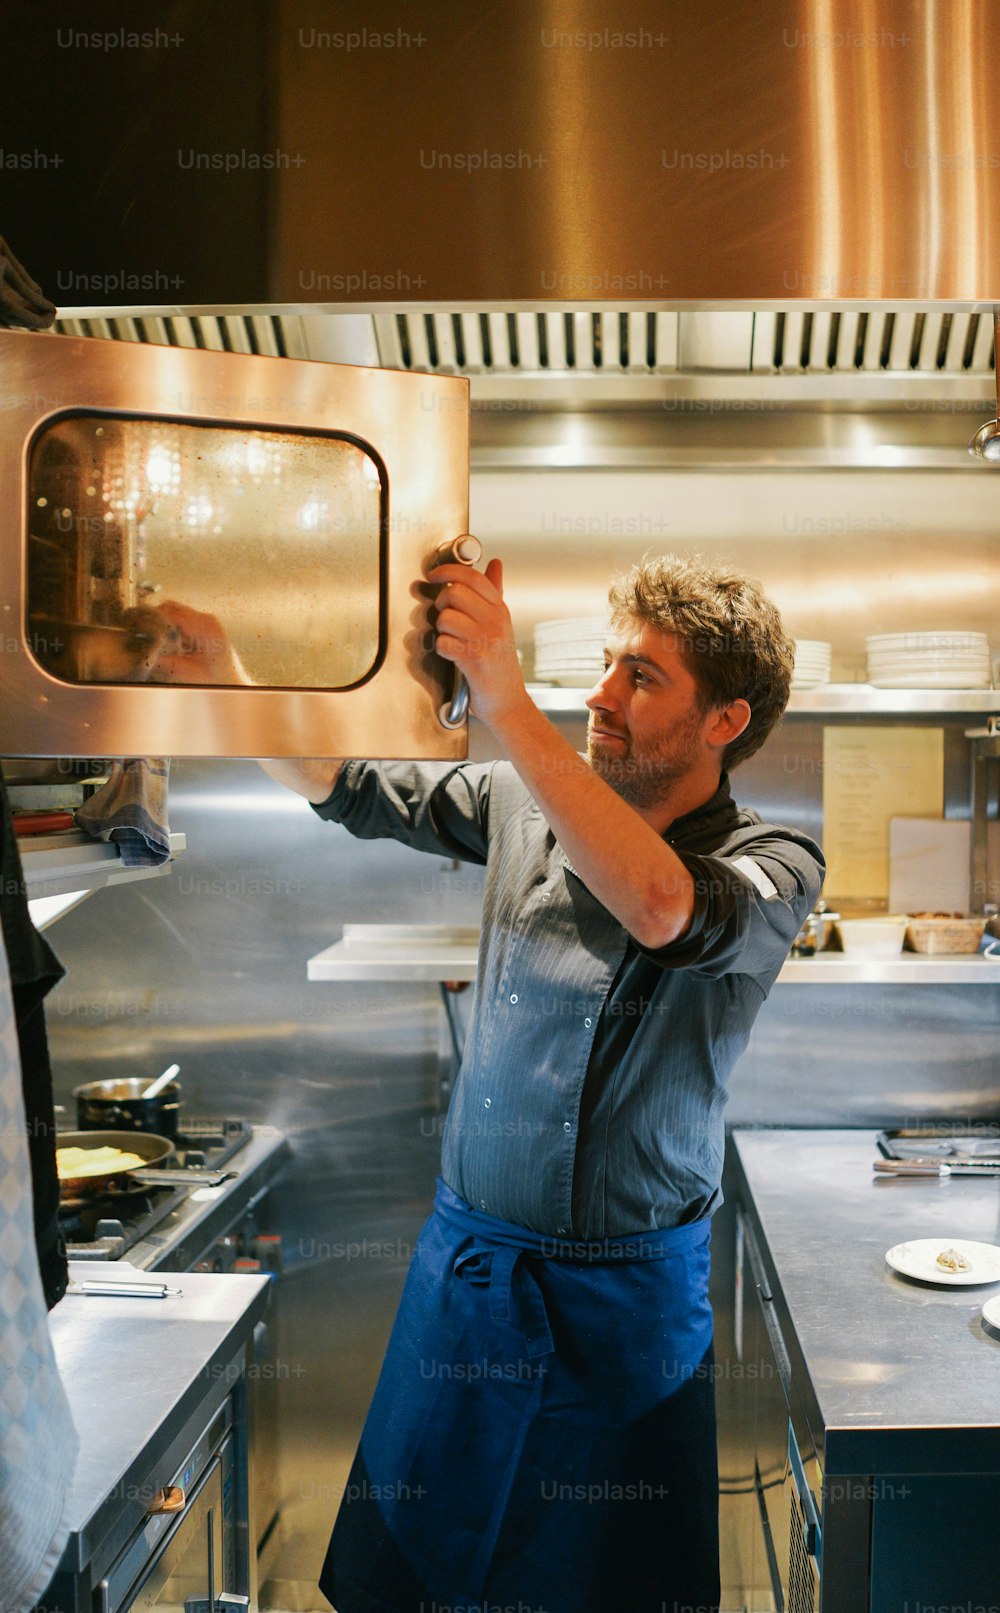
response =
{"points": [[590, 1098]]}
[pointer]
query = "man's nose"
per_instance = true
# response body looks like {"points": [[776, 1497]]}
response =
{"points": [[602, 696]]}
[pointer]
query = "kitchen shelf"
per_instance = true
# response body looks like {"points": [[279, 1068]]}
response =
{"points": [[909, 969], [433, 952], [56, 864], [832, 699], [436, 952]]}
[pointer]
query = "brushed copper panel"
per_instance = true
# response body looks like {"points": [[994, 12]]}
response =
{"points": [[754, 151], [765, 152]]}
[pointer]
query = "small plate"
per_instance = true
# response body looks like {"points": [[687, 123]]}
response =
{"points": [[918, 1259], [991, 1312]]}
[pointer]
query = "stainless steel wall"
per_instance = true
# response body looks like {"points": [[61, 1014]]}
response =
{"points": [[843, 554], [208, 966]]}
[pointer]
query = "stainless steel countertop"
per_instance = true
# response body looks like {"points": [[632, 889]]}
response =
{"points": [[897, 1370], [135, 1369]]}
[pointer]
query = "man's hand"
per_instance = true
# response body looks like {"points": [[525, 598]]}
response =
{"points": [[474, 630]]}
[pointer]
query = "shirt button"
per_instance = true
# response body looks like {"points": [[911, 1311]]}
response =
{"points": [[482, 1204], [567, 1126], [546, 895], [588, 1023], [487, 1103], [513, 996], [561, 1231]]}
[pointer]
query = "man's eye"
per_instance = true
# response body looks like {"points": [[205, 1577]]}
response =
{"points": [[640, 677]]}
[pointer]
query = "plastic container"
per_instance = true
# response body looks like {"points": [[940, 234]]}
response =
{"points": [[872, 938]]}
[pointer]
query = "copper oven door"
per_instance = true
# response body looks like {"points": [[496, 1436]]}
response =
{"points": [[217, 554]]}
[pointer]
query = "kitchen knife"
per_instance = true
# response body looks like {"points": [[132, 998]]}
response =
{"points": [[936, 1167]]}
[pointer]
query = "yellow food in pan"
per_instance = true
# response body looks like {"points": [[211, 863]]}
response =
{"points": [[75, 1162]]}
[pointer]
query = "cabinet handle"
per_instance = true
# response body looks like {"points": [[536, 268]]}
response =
{"points": [[170, 1499], [812, 1530], [766, 1302], [776, 1337]]}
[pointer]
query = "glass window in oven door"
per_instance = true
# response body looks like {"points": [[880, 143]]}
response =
{"points": [[187, 1573], [165, 551]]}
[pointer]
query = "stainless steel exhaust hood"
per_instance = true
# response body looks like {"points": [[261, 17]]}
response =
{"points": [[752, 154], [636, 390]]}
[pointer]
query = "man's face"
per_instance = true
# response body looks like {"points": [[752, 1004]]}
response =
{"points": [[646, 729]]}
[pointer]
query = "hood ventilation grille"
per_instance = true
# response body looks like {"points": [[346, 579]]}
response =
{"points": [[914, 362], [529, 344], [847, 342], [274, 335], [897, 342], [905, 342]]}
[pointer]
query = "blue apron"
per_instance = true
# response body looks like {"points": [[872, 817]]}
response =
{"points": [[542, 1435]]}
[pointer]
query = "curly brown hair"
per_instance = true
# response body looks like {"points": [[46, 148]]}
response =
{"points": [[728, 632]]}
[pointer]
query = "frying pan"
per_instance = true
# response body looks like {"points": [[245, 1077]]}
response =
{"points": [[153, 1150]]}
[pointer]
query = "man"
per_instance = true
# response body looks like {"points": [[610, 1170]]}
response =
{"points": [[542, 1434]]}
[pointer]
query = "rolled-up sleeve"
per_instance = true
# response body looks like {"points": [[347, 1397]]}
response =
{"points": [[749, 905], [438, 807]]}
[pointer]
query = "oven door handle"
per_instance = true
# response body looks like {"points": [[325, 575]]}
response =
{"points": [[464, 551]]}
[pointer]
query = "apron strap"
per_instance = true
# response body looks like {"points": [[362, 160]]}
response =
{"points": [[515, 1299]]}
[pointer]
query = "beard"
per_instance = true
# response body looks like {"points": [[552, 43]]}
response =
{"points": [[644, 773]]}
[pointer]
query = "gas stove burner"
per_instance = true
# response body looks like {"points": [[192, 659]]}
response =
{"points": [[127, 1194], [105, 1227], [209, 1142]]}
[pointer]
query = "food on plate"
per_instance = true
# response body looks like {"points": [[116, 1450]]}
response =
{"points": [[953, 1260], [75, 1162]]}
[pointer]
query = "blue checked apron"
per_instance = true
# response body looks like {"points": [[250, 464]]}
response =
{"points": [[542, 1434]]}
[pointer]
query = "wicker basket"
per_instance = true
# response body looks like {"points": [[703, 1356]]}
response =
{"points": [[952, 934]]}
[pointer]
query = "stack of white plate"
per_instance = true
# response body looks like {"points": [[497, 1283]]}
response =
{"points": [[812, 663], [570, 651], [928, 660]]}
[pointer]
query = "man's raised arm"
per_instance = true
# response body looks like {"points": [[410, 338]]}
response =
{"points": [[313, 777]]}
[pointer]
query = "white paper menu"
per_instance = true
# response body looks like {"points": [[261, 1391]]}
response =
{"points": [[871, 775]]}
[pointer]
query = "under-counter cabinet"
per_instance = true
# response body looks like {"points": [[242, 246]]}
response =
{"points": [[870, 1401], [160, 1504]]}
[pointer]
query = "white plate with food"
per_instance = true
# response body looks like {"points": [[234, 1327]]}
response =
{"points": [[950, 1261]]}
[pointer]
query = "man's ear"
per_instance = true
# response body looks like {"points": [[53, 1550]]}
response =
{"points": [[729, 722]]}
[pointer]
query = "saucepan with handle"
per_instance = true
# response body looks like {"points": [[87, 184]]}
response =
{"points": [[130, 1103]]}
